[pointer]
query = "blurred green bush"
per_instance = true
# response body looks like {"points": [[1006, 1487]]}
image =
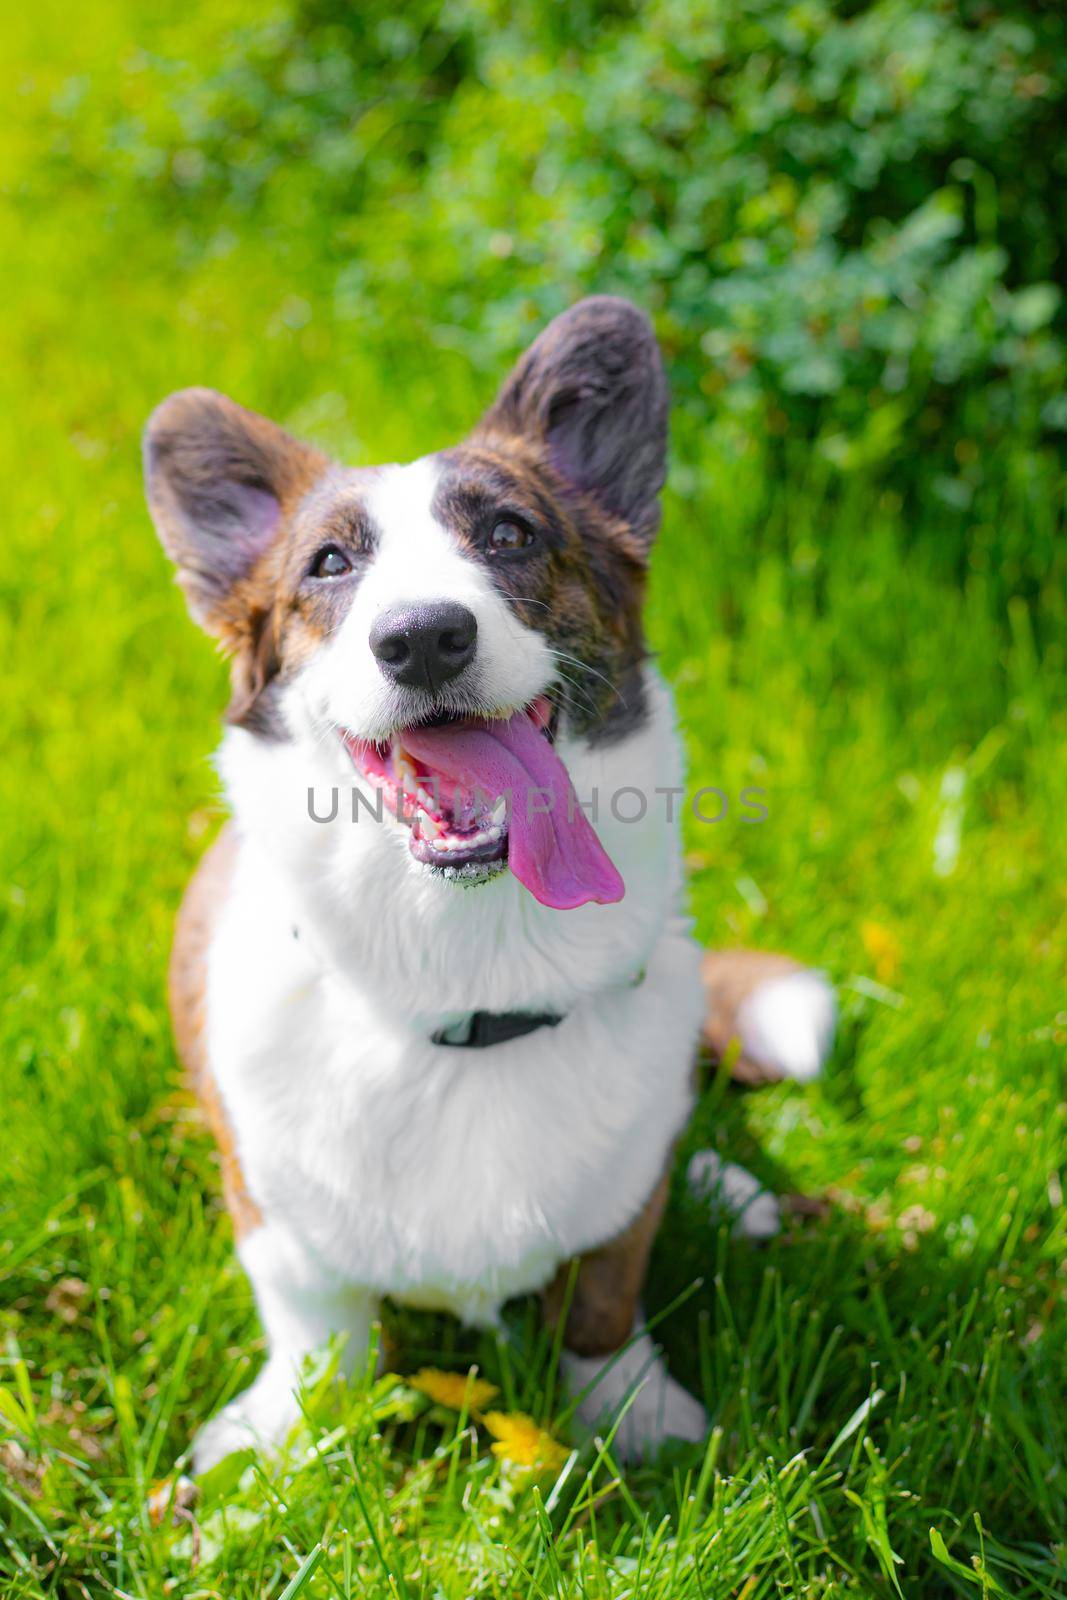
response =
{"points": [[845, 219]]}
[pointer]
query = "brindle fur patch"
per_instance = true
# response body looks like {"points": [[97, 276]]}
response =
{"points": [[581, 584], [300, 613]]}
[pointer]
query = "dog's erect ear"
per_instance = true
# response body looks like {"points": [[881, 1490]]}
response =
{"points": [[220, 482], [591, 388]]}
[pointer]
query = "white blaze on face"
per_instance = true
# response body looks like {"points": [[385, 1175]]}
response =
{"points": [[418, 560]]}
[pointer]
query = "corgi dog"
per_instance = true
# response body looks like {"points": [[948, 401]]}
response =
{"points": [[434, 983]]}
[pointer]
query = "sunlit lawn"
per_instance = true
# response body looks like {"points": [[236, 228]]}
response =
{"points": [[887, 1380]]}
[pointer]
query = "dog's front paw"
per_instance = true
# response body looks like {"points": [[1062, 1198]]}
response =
{"points": [[227, 1432], [660, 1408], [261, 1419]]}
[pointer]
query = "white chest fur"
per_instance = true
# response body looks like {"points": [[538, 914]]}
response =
{"points": [[447, 1177]]}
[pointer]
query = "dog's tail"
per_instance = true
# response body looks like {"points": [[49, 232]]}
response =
{"points": [[767, 1015]]}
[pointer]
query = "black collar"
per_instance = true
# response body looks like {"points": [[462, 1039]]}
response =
{"points": [[479, 1029]]}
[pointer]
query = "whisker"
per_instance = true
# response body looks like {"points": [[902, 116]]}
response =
{"points": [[583, 666], [588, 704]]}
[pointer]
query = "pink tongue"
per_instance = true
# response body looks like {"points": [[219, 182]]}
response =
{"points": [[552, 848]]}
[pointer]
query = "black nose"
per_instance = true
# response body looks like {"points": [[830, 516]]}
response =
{"points": [[424, 646]]}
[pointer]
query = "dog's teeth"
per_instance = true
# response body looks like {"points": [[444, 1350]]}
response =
{"points": [[500, 813], [403, 770], [425, 800], [428, 828]]}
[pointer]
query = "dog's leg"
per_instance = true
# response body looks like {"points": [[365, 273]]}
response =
{"points": [[299, 1307], [779, 1015], [607, 1350], [661, 1408], [300, 1310]]}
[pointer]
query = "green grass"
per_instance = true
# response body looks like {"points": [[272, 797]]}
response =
{"points": [[887, 1380]]}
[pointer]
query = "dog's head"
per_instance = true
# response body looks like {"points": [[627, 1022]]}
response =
{"points": [[447, 621]]}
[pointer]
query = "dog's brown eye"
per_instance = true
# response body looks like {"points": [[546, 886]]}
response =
{"points": [[508, 535], [330, 563]]}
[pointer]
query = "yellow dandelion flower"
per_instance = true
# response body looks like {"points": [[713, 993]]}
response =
{"points": [[883, 947], [520, 1440], [453, 1389]]}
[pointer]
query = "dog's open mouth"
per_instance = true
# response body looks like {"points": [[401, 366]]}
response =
{"points": [[480, 794]]}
